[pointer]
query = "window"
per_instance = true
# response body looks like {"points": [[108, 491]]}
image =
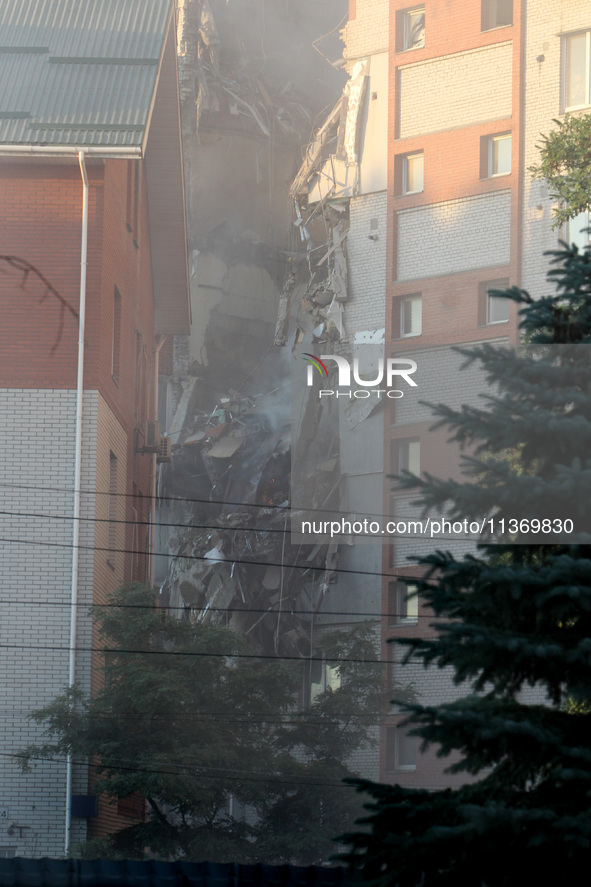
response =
{"points": [[576, 230], [116, 339], [495, 155], [413, 28], [403, 603], [401, 749], [492, 309], [323, 676], [412, 173], [406, 456], [7, 852], [112, 526], [577, 75], [496, 14], [411, 316]]}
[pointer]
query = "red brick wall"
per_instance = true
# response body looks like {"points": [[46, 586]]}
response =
{"points": [[450, 303]]}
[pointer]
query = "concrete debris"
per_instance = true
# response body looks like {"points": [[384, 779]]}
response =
{"points": [[234, 564]]}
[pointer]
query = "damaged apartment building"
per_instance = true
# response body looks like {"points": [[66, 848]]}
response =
{"points": [[251, 92], [380, 239], [417, 184]]}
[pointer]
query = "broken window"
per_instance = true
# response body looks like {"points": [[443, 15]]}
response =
{"points": [[414, 28], [496, 14], [323, 676]]}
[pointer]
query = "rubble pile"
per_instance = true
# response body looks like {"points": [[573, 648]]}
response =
{"points": [[226, 494]]}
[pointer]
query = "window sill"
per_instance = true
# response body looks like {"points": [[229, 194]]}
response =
{"points": [[410, 335], [572, 108], [495, 322], [115, 380], [496, 28], [111, 565]]}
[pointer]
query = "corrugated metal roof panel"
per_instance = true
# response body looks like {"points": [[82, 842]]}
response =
{"points": [[82, 70]]}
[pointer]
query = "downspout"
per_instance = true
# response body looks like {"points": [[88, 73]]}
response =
{"points": [[160, 340], [77, 476]]}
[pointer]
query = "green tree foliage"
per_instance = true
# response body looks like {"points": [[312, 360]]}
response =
{"points": [[565, 164], [511, 618], [209, 734]]}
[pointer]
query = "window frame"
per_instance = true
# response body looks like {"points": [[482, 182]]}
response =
{"points": [[398, 591], [405, 173], [407, 15], [565, 39], [403, 301], [498, 137], [484, 300], [569, 235], [326, 666], [392, 756]]}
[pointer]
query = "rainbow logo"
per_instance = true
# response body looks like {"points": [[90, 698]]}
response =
{"points": [[315, 361]]}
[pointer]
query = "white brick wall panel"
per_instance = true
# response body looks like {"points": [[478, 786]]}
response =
{"points": [[366, 308], [454, 91], [36, 451], [368, 32], [456, 235]]}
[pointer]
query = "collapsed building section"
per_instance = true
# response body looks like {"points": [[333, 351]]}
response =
{"points": [[225, 502], [248, 103]]}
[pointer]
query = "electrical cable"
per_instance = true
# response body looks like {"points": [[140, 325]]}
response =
{"points": [[182, 772], [195, 557], [195, 653], [147, 498]]}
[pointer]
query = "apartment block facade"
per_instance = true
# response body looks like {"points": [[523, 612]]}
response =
{"points": [[442, 209], [94, 278]]}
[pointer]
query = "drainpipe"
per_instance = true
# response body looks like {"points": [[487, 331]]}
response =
{"points": [[160, 340], [77, 475]]}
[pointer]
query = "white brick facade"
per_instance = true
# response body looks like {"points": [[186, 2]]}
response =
{"points": [[456, 235], [368, 32], [37, 459], [456, 90], [366, 308]]}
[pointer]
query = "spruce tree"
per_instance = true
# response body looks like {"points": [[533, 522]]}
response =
{"points": [[509, 618]]}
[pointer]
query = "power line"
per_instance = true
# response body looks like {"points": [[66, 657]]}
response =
{"points": [[195, 653], [405, 622], [182, 769], [143, 523], [197, 557], [147, 498]]}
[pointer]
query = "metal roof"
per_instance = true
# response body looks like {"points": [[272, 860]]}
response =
{"points": [[79, 72]]}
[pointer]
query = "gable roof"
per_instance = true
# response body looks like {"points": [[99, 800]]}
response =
{"points": [[79, 72], [101, 76]]}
